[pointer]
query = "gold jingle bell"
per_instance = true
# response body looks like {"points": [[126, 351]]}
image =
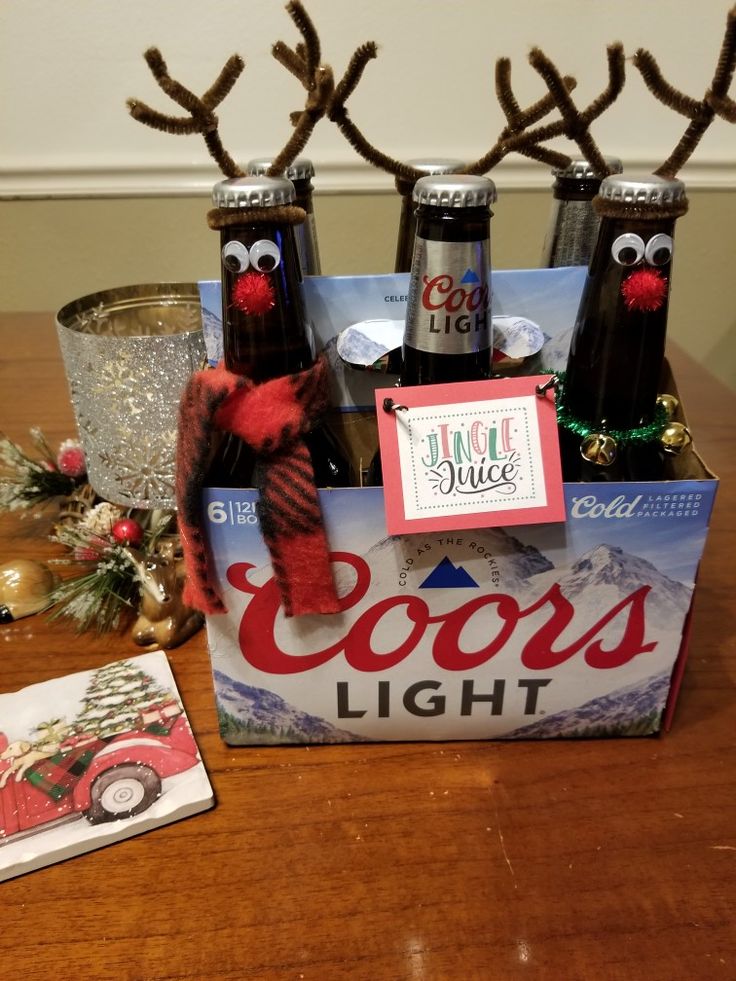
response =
{"points": [[675, 438], [669, 403], [599, 449]]}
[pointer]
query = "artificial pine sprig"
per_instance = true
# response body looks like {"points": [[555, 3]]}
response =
{"points": [[104, 591], [108, 588], [26, 482]]}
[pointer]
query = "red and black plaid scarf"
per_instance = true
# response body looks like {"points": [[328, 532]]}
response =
{"points": [[272, 419]]}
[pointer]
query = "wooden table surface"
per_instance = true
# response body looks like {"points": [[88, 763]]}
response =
{"points": [[563, 860]]}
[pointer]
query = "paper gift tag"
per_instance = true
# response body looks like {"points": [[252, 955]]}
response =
{"points": [[470, 455]]}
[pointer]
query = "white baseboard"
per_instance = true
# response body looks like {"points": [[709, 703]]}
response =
{"points": [[167, 180]]}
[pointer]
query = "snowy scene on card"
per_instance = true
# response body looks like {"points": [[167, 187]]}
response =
{"points": [[93, 758]]}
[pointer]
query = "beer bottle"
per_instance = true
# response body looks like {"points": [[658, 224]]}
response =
{"points": [[612, 426], [265, 332], [448, 332], [300, 173], [573, 223], [407, 219]]}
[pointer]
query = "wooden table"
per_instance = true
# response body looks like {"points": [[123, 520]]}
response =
{"points": [[560, 860]]}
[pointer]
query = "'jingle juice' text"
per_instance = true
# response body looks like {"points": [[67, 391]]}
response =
{"points": [[472, 460]]}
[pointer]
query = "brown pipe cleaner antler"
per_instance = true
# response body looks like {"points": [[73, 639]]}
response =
{"points": [[575, 123], [303, 62], [701, 113], [201, 118], [515, 137], [325, 98]]}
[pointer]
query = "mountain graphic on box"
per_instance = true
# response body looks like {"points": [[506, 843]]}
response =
{"points": [[251, 715], [514, 562], [635, 710], [445, 575], [606, 574]]}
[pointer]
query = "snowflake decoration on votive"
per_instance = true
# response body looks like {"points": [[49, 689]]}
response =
{"points": [[121, 379], [144, 469], [94, 320]]}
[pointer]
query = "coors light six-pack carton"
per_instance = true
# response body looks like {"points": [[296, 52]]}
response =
{"points": [[563, 629]]}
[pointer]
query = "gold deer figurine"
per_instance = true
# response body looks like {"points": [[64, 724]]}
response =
{"points": [[164, 618]]}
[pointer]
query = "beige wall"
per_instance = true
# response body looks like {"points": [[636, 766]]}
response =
{"points": [[54, 251], [74, 167]]}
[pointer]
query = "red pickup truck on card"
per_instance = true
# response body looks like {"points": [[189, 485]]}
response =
{"points": [[102, 779]]}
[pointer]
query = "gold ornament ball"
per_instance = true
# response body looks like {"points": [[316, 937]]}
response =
{"points": [[669, 403], [599, 449], [25, 588], [675, 438]]}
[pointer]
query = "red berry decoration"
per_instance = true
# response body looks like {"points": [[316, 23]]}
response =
{"points": [[127, 531], [253, 293], [70, 459]]}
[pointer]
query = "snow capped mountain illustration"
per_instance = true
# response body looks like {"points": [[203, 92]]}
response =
{"points": [[514, 563], [631, 711], [607, 574], [348, 386], [212, 330], [256, 715], [553, 355]]}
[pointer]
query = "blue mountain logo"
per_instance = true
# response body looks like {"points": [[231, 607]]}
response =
{"points": [[470, 277], [448, 576]]}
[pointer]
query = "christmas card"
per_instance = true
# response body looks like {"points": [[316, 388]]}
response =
{"points": [[92, 758]]}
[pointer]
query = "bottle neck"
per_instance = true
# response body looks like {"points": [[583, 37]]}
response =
{"points": [[453, 224], [572, 189], [268, 337], [572, 232], [407, 231], [617, 348], [303, 194]]}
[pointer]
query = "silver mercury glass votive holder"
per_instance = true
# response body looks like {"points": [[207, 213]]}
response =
{"points": [[128, 353]]}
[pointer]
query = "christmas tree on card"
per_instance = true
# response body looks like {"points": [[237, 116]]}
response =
{"points": [[93, 758]]}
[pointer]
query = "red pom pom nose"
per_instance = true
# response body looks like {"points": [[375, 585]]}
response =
{"points": [[645, 289], [253, 293]]}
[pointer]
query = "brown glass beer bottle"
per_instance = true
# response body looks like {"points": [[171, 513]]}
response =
{"points": [[610, 422], [573, 222], [265, 332], [300, 173], [448, 332], [407, 218]]}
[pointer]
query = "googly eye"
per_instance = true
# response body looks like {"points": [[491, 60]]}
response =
{"points": [[235, 256], [659, 250], [265, 255], [628, 249]]}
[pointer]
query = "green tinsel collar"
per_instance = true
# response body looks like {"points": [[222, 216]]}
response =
{"points": [[583, 428]]}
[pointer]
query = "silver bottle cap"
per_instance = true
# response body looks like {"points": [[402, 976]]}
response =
{"points": [[643, 190], [454, 191], [300, 169], [426, 166], [436, 165], [252, 192], [581, 170]]}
